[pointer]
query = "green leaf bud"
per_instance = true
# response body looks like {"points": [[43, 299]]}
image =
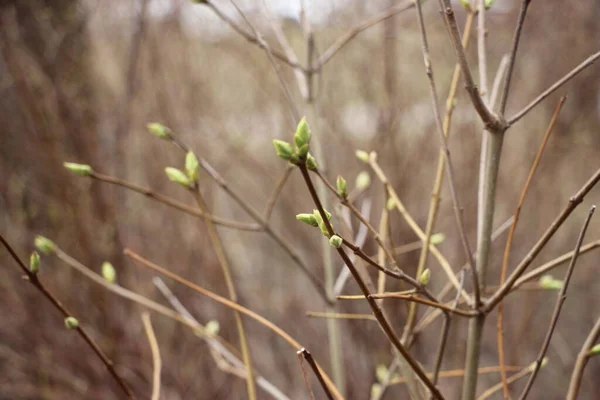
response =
{"points": [[308, 219], [594, 351], [425, 277], [363, 181], [390, 204], [212, 328], [489, 4], [34, 263], [178, 176], [336, 241], [303, 151], [159, 130], [79, 169], [108, 272], [342, 187], [549, 283], [192, 166], [284, 149], [311, 163], [320, 222], [382, 373], [362, 156], [44, 245], [437, 238], [303, 134], [466, 4], [71, 323]]}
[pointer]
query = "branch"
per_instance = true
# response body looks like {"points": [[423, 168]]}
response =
{"points": [[313, 365], [155, 355], [581, 362], [35, 281], [562, 296], [589, 61]]}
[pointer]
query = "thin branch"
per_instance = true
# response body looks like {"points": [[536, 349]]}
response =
{"points": [[315, 314], [513, 55], [305, 375], [377, 312], [458, 373], [35, 281], [313, 365], [458, 212], [512, 379], [348, 36], [175, 204], [582, 359], [571, 205], [562, 296], [511, 235], [489, 118], [226, 302], [441, 306], [589, 61], [156, 360], [275, 194]]}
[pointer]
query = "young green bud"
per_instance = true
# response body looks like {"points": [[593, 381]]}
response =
{"points": [[192, 166], [34, 262], [159, 130], [212, 328], [178, 176], [489, 4], [303, 150], [79, 169], [303, 134], [594, 351], [108, 272], [284, 149], [390, 204], [342, 187], [382, 373], [311, 163], [437, 238], [425, 277], [320, 222], [336, 241], [466, 4], [308, 219], [549, 283], [71, 323], [376, 390], [363, 180], [44, 245], [362, 156]]}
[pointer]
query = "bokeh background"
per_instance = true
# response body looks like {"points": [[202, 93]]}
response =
{"points": [[79, 81]]}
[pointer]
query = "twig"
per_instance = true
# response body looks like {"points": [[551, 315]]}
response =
{"points": [[226, 302], [581, 362], [457, 373], [513, 55], [219, 249], [218, 348], [489, 118], [458, 213], [512, 379], [434, 204], [571, 205], [309, 358], [175, 204], [377, 312], [562, 296], [348, 36], [589, 61], [541, 270], [441, 306], [156, 360], [305, 375], [35, 281], [275, 194], [511, 235], [315, 314]]}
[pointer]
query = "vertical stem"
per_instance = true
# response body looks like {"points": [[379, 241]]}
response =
{"points": [[221, 256], [484, 240]]}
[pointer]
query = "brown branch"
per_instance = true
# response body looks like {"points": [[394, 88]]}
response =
{"points": [[377, 312], [35, 281], [582, 359], [304, 374], [571, 205], [511, 235], [175, 204], [586, 63], [441, 306], [562, 296], [275, 194], [156, 360], [315, 314], [313, 365]]}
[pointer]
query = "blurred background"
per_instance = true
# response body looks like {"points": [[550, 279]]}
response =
{"points": [[79, 81]]}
